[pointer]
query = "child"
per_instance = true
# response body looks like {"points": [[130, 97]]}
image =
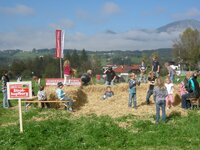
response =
{"points": [[160, 93], [170, 88], [61, 95], [108, 93], [42, 97], [67, 72], [151, 81], [171, 72], [132, 91]]}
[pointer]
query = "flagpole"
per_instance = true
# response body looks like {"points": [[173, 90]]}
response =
{"points": [[61, 68]]}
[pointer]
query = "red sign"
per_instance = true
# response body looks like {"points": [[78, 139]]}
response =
{"points": [[54, 81], [19, 90]]}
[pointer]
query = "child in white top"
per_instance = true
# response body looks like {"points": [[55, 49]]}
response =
{"points": [[42, 97], [170, 88]]}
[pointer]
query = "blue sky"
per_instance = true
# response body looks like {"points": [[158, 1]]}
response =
{"points": [[25, 24]]}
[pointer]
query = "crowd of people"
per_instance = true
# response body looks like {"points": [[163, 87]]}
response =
{"points": [[161, 91]]}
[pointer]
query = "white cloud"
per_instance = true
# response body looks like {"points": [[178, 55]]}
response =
{"points": [[191, 13], [63, 24], [110, 8], [17, 10], [130, 40]]}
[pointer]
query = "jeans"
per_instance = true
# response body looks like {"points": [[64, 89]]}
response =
{"points": [[185, 102], [143, 78], [149, 93], [132, 100], [69, 102], [161, 104], [171, 77], [109, 83], [6, 102]]}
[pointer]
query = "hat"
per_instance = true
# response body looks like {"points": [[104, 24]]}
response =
{"points": [[60, 84], [89, 71]]}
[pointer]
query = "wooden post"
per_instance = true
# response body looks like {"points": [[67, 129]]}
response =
{"points": [[20, 115]]}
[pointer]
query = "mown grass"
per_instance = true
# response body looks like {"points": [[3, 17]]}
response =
{"points": [[57, 129]]}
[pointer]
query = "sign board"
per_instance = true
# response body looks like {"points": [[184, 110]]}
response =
{"points": [[19, 90], [54, 81]]}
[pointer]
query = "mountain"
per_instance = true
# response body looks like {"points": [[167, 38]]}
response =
{"points": [[180, 26]]}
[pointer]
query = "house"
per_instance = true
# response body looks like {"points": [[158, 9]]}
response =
{"points": [[125, 69]]}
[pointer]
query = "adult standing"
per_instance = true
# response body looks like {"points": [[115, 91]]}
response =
{"points": [[110, 76], [156, 66], [192, 86], [5, 79]]}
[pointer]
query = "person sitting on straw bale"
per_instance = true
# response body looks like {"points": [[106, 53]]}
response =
{"points": [[160, 94], [170, 88], [108, 93], [86, 78], [132, 91], [42, 97], [192, 86], [151, 81], [63, 97]]}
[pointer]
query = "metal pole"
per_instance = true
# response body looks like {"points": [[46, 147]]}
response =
{"points": [[61, 68]]}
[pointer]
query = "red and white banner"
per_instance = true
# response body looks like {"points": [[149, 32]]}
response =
{"points": [[19, 90], [59, 43], [54, 81]]}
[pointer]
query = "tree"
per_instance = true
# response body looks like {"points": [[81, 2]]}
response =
{"points": [[187, 47]]}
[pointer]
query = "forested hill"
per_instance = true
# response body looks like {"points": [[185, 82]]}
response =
{"points": [[9, 55]]}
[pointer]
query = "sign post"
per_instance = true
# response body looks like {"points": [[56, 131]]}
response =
{"points": [[20, 115], [19, 90]]}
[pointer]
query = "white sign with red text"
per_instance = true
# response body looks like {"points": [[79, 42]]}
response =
{"points": [[71, 82], [19, 90]]}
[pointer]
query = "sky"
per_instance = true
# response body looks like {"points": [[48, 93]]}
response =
{"points": [[92, 24]]}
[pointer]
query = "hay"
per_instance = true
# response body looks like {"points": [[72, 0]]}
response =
{"points": [[89, 101], [177, 100]]}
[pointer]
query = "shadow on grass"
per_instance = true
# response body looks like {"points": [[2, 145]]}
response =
{"points": [[174, 115]]}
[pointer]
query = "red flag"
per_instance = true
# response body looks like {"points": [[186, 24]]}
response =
{"points": [[59, 44]]}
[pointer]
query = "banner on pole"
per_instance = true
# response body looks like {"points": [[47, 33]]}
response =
{"points": [[60, 34], [19, 90]]}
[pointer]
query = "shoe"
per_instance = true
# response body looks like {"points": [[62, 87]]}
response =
{"points": [[70, 109], [65, 105]]}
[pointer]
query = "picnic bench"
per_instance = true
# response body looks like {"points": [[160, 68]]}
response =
{"points": [[38, 101]]}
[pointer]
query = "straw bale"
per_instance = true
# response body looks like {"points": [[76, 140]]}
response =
{"points": [[89, 101]]}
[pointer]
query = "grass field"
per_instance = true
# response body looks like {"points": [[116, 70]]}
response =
{"points": [[50, 129], [53, 129]]}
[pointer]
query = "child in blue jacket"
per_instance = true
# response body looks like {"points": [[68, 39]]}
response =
{"points": [[132, 91]]}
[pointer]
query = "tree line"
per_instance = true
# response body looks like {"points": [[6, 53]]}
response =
{"points": [[47, 66]]}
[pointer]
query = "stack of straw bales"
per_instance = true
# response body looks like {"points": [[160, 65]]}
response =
{"points": [[89, 100]]}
